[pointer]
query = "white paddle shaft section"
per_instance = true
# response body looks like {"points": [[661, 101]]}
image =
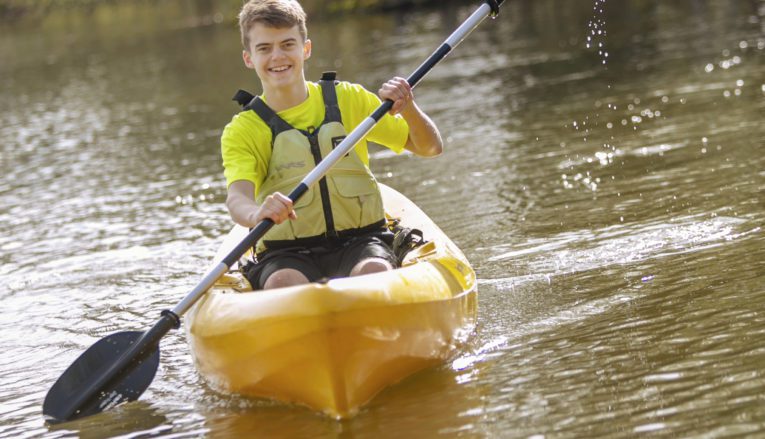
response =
{"points": [[468, 25], [205, 284]]}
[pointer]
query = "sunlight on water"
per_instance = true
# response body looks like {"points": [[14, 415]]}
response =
{"points": [[574, 251]]}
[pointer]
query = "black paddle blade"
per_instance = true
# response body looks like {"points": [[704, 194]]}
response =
{"points": [[65, 402]]}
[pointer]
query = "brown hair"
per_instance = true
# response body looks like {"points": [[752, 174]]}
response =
{"points": [[272, 13]]}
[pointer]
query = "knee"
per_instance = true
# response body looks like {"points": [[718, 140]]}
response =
{"points": [[285, 277], [371, 265]]}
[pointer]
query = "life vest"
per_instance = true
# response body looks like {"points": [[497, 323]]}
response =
{"points": [[345, 202]]}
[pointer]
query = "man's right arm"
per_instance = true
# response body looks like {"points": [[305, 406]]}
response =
{"points": [[243, 209]]}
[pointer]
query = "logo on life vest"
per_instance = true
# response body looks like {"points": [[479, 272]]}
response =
{"points": [[336, 141]]}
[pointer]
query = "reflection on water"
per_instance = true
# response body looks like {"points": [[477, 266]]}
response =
{"points": [[603, 173]]}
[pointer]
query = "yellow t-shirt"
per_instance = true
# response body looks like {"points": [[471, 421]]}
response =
{"points": [[246, 140]]}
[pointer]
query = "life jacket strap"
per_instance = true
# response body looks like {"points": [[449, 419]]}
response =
{"points": [[331, 109], [327, 241], [243, 97], [269, 116]]}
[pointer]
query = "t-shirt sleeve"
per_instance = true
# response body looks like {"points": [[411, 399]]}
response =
{"points": [[391, 131], [242, 158]]}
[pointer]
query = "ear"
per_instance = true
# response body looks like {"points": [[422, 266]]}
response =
{"points": [[307, 49], [247, 59]]}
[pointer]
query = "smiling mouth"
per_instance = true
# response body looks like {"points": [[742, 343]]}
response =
{"points": [[279, 69]]}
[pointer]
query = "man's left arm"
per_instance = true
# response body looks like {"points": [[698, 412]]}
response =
{"points": [[424, 138]]}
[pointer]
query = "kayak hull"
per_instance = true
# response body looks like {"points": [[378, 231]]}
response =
{"points": [[333, 346]]}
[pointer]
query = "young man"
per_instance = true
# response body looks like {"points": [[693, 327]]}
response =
{"points": [[336, 228]]}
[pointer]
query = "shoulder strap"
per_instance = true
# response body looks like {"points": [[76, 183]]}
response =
{"points": [[331, 109], [269, 116], [243, 97]]}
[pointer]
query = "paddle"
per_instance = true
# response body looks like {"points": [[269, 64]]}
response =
{"points": [[120, 367]]}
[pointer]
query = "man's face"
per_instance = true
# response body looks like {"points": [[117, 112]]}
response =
{"points": [[277, 55]]}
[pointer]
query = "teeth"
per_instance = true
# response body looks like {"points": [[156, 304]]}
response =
{"points": [[279, 69]]}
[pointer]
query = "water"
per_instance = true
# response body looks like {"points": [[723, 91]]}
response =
{"points": [[603, 172]]}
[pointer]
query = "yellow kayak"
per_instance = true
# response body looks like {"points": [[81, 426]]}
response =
{"points": [[333, 346]]}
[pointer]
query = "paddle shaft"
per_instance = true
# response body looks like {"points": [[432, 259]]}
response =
{"points": [[171, 319]]}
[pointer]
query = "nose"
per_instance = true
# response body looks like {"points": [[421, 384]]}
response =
{"points": [[277, 53]]}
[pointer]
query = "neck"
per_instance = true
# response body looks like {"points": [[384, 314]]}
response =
{"points": [[280, 99]]}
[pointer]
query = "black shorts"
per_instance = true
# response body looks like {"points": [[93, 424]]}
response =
{"points": [[318, 263]]}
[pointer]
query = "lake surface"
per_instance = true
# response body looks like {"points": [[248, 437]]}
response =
{"points": [[603, 172]]}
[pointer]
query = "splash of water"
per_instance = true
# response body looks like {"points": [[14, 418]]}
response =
{"points": [[597, 31]]}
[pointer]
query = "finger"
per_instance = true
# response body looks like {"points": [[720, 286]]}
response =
{"points": [[287, 201], [403, 86], [286, 206], [388, 92], [393, 89], [396, 89], [273, 209], [406, 92], [266, 213], [274, 216], [396, 107]]}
